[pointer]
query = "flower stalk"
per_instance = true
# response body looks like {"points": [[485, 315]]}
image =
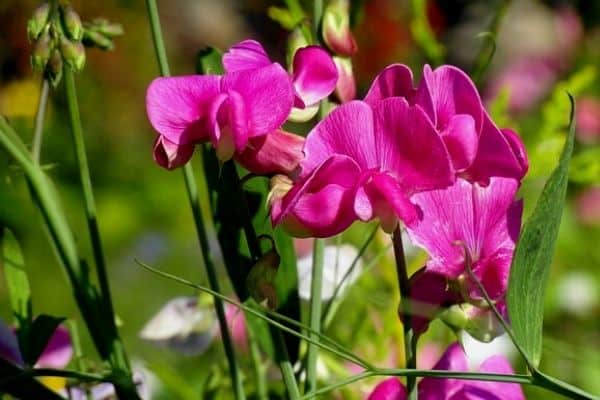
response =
{"points": [[410, 339], [315, 313], [192, 193]]}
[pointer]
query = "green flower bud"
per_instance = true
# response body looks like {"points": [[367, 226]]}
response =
{"points": [[94, 38], [73, 53], [42, 48], [54, 69], [336, 28], [72, 23], [110, 29], [38, 21], [261, 279]]}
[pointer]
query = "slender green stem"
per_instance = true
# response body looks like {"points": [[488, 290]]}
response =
{"points": [[410, 339], [317, 15], [86, 186], [315, 312], [283, 359], [117, 356], [38, 131], [193, 198]]}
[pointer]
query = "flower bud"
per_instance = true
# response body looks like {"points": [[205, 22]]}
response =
{"points": [[110, 29], [170, 155], [42, 49], [345, 89], [73, 53], [54, 69], [336, 28], [455, 317], [261, 279], [38, 21], [72, 23], [94, 38]]}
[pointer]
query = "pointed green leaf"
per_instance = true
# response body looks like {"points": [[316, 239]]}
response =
{"points": [[17, 283], [533, 256]]}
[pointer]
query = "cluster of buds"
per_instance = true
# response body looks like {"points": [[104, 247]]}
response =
{"points": [[56, 34], [100, 33], [339, 39]]}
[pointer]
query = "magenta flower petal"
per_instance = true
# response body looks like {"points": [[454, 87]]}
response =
{"points": [[279, 152], [267, 95], [248, 54], [485, 390], [395, 80], [480, 220], [389, 389], [347, 130], [500, 153], [320, 205], [58, 351], [176, 106], [449, 91], [9, 347], [453, 359], [170, 155], [314, 75], [461, 139], [402, 133]]}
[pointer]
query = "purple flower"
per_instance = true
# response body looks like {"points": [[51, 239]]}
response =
{"points": [[364, 162], [479, 150], [465, 223], [455, 389]]}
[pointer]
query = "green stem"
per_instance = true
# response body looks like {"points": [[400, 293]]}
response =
{"points": [[192, 193], [410, 339], [283, 359], [86, 186], [117, 357], [78, 352], [315, 313], [317, 15], [38, 131]]}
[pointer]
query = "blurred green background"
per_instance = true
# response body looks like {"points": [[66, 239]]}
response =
{"points": [[543, 49]]}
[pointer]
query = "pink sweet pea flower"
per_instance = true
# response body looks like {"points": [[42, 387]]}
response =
{"points": [[465, 223], [228, 110], [455, 389], [313, 76], [449, 98], [364, 162]]}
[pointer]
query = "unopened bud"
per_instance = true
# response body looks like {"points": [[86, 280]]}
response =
{"points": [[42, 49], [72, 23], [336, 28], [38, 21], [94, 38], [455, 317], [345, 89], [261, 279], [111, 29], [73, 54], [54, 69]]}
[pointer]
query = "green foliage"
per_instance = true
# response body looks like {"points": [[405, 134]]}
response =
{"points": [[585, 167], [423, 35], [533, 257], [17, 282]]}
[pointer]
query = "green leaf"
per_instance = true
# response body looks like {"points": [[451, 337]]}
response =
{"points": [[17, 282], [533, 256], [42, 329]]}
